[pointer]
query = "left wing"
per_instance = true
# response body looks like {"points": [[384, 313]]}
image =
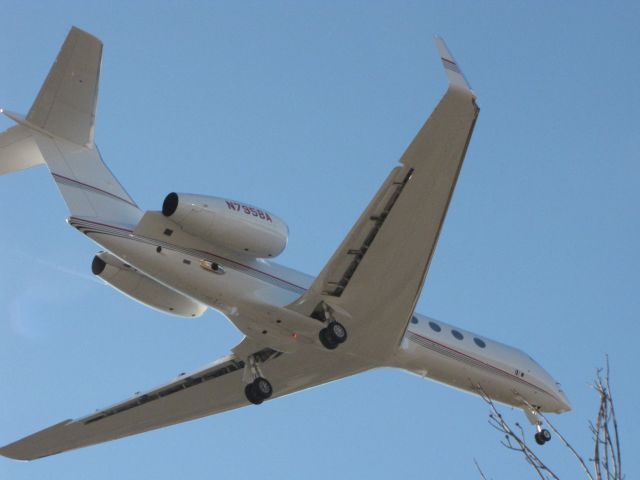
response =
{"points": [[216, 388]]}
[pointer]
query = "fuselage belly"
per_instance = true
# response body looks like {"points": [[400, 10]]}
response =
{"points": [[503, 373]]}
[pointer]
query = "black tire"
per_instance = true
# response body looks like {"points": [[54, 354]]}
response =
{"points": [[545, 435], [540, 440], [249, 392], [326, 340], [262, 388], [337, 332]]}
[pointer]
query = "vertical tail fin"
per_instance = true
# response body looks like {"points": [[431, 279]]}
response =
{"points": [[59, 131], [66, 104]]}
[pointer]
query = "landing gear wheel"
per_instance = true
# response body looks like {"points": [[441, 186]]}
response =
{"points": [[543, 436], [251, 396], [333, 335], [338, 332], [262, 387], [326, 340], [258, 391]]}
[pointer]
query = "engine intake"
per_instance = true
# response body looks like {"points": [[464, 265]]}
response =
{"points": [[170, 204]]}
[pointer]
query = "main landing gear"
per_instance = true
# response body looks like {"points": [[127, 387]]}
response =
{"points": [[258, 391], [257, 388], [333, 335], [542, 435]]}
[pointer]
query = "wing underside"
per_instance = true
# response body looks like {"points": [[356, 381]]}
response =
{"points": [[213, 389]]}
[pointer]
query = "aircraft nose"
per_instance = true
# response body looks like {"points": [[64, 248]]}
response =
{"points": [[563, 402]]}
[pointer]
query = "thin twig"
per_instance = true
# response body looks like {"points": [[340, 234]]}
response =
{"points": [[567, 444], [596, 441], [607, 461], [606, 443], [519, 443], [480, 470], [617, 456]]}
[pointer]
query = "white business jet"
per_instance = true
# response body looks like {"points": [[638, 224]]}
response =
{"points": [[203, 252]]}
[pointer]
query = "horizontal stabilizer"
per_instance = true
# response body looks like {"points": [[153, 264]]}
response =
{"points": [[18, 150]]}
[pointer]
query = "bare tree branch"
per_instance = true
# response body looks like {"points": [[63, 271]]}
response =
{"points": [[516, 441], [596, 443], [616, 438], [566, 443], [607, 459]]}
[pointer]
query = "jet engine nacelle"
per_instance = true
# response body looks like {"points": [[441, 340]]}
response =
{"points": [[143, 289], [232, 225]]}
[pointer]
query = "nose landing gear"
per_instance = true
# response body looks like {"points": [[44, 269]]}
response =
{"points": [[542, 435]]}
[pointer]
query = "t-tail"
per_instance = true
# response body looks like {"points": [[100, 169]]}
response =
{"points": [[59, 131]]}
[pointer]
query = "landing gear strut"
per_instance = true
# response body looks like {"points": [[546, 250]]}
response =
{"points": [[257, 388], [542, 435], [333, 335]]}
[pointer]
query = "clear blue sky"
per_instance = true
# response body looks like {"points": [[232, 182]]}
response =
{"points": [[302, 108]]}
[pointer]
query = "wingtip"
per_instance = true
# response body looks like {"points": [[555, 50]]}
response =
{"points": [[35, 446], [7, 452], [84, 33], [454, 73], [20, 453]]}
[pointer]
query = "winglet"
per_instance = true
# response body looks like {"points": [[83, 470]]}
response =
{"points": [[454, 74]]}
